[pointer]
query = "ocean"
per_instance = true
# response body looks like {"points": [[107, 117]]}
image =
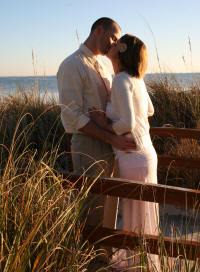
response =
{"points": [[48, 84], [9, 85]]}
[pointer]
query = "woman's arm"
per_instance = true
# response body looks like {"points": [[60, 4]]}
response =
{"points": [[150, 107], [122, 103]]}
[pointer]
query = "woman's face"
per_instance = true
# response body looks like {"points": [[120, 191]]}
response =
{"points": [[114, 50]]}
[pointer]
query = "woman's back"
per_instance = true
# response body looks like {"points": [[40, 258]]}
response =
{"points": [[129, 109]]}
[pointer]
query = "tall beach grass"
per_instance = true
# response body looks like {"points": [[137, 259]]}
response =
{"points": [[41, 227]]}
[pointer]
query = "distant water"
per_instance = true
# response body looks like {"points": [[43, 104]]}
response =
{"points": [[9, 85], [48, 84], [184, 79]]}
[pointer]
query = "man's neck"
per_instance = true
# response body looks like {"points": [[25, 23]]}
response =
{"points": [[91, 44]]}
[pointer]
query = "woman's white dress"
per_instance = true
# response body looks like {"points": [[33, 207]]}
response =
{"points": [[129, 110]]}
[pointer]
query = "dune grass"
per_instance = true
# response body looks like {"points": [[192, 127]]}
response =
{"points": [[176, 108], [41, 227], [173, 105]]}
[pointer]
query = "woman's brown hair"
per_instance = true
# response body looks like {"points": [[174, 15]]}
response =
{"points": [[134, 59]]}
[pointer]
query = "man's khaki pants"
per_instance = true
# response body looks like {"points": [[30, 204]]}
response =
{"points": [[93, 157]]}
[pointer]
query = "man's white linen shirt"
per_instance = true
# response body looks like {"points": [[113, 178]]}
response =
{"points": [[80, 88]]}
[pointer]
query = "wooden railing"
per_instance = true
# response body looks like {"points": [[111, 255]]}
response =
{"points": [[161, 194], [163, 160], [147, 192], [175, 132]]}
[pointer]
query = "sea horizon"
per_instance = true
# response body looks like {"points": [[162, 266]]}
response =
{"points": [[48, 84], [154, 73]]}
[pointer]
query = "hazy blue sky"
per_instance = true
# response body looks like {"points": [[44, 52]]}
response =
{"points": [[49, 28]]}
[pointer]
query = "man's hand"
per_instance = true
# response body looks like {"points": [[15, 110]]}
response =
{"points": [[123, 143], [99, 117]]}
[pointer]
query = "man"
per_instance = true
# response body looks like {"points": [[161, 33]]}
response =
{"points": [[82, 84]]}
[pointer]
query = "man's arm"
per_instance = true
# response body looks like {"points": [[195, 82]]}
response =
{"points": [[70, 98], [70, 85], [120, 142]]}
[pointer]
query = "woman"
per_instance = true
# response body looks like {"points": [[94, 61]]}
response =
{"points": [[129, 108]]}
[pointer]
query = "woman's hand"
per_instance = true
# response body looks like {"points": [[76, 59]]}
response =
{"points": [[99, 117]]}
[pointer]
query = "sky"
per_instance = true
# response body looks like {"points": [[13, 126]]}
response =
{"points": [[50, 30]]}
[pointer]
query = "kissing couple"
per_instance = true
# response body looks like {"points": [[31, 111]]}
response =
{"points": [[107, 116]]}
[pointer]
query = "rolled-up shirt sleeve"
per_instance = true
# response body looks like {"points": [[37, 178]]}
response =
{"points": [[122, 103], [70, 85]]}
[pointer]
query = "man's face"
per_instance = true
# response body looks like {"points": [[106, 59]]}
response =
{"points": [[108, 37]]}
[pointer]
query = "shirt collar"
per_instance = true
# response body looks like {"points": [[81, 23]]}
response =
{"points": [[87, 51]]}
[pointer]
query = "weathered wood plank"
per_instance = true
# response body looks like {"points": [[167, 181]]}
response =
{"points": [[123, 239], [164, 160], [139, 190], [178, 132]]}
